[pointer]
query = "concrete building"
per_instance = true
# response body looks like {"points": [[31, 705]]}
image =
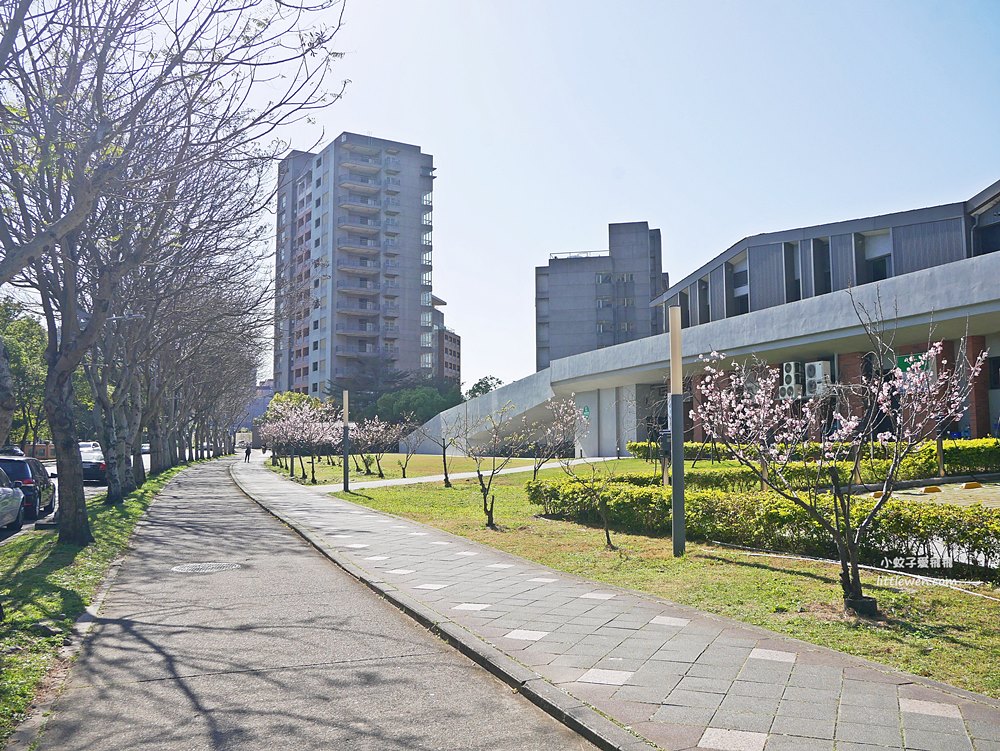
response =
{"points": [[353, 266], [789, 297], [447, 347], [595, 299]]}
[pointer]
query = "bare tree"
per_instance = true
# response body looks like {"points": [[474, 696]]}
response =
{"points": [[491, 443], [555, 436], [444, 438]]}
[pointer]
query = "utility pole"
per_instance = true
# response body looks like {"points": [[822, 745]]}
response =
{"points": [[678, 533], [347, 450]]}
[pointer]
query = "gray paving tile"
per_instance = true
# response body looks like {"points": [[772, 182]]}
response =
{"points": [[987, 731], [787, 743], [748, 688], [747, 721], [868, 716], [936, 724], [803, 726], [732, 740], [693, 699], [762, 705], [807, 709], [709, 685], [684, 715], [926, 740], [878, 735]]}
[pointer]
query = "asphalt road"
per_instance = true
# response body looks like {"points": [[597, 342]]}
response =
{"points": [[285, 651]]}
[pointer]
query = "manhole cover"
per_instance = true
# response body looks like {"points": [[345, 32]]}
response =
{"points": [[204, 568]]}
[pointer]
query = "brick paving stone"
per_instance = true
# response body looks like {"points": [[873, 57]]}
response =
{"points": [[682, 673]]}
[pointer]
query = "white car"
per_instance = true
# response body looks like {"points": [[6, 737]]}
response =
{"points": [[90, 446], [11, 504]]}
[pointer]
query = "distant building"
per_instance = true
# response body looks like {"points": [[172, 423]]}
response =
{"points": [[353, 262], [588, 300], [447, 348]]}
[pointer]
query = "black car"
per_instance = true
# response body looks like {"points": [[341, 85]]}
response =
{"points": [[31, 476], [94, 467], [10, 450]]}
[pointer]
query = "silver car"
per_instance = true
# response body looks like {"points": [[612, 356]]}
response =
{"points": [[11, 504]]}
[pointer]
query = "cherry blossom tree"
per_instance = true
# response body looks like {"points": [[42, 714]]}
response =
{"points": [[557, 435], [896, 408], [410, 439], [491, 442], [378, 438]]}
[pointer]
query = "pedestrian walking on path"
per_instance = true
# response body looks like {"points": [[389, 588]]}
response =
{"points": [[249, 451]]}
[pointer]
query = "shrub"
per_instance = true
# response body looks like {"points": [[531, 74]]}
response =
{"points": [[965, 457], [769, 521]]}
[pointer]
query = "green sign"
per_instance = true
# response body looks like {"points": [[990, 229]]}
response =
{"points": [[586, 412]]}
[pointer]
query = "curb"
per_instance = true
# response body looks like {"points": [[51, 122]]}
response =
{"points": [[568, 710]]}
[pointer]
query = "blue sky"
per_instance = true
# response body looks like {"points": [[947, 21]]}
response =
{"points": [[710, 120]]}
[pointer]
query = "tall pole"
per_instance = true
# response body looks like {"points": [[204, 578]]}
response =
{"points": [[678, 533], [347, 449]]}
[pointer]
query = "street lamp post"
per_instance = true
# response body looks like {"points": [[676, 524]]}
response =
{"points": [[347, 450], [678, 533]]}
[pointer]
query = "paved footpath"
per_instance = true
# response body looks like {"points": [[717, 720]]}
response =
{"points": [[677, 677], [273, 647]]}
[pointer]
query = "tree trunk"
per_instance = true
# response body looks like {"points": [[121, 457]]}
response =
{"points": [[488, 510], [74, 527], [8, 402], [444, 463]]}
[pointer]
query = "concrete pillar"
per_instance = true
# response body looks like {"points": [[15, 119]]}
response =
{"points": [[979, 397], [589, 404]]}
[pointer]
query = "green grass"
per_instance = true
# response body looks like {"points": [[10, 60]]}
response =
{"points": [[931, 631], [420, 465], [43, 580]]}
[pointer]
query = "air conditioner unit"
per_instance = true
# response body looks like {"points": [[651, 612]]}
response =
{"points": [[792, 373], [794, 391], [818, 378]]}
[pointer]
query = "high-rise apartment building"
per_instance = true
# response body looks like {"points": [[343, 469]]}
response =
{"points": [[353, 262], [594, 299], [447, 348]]}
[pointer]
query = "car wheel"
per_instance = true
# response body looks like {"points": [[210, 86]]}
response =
{"points": [[18, 522], [36, 511]]}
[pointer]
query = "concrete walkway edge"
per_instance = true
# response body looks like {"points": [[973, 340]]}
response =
{"points": [[579, 717]]}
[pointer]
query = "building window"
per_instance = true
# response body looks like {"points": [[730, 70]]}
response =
{"points": [[425, 298], [315, 346], [628, 277], [315, 325], [605, 327], [628, 326], [793, 273], [427, 339], [426, 319], [603, 302], [604, 277], [427, 360], [627, 302], [315, 387], [822, 269], [994, 372]]}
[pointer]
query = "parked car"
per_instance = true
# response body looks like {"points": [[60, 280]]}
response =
{"points": [[94, 467], [11, 504], [89, 446], [31, 476], [11, 451]]}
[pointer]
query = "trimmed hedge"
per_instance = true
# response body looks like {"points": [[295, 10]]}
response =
{"points": [[961, 457], [768, 521]]}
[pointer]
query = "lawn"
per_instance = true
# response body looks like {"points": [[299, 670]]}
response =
{"points": [[41, 580], [931, 631], [420, 465]]}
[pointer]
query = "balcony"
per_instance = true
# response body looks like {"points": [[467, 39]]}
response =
{"points": [[359, 183], [391, 228], [392, 184], [351, 287], [360, 204], [358, 329], [361, 245], [391, 289], [390, 310], [344, 350], [361, 225], [391, 268], [362, 268], [351, 308], [391, 204], [390, 332], [361, 163]]}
